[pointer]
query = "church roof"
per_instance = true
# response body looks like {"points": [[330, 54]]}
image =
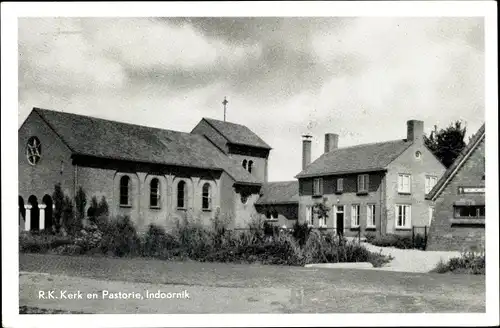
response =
{"points": [[360, 158], [282, 192], [237, 134], [457, 164], [91, 136]]}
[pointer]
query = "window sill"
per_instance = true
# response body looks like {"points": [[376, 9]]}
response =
{"points": [[404, 193], [480, 221], [155, 207], [339, 192], [125, 205], [361, 193], [206, 209], [317, 196], [271, 220], [181, 209], [371, 228], [404, 228], [355, 228]]}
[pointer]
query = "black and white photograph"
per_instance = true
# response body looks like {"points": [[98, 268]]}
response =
{"points": [[181, 160]]}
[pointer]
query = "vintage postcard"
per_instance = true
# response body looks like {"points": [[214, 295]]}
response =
{"points": [[225, 159]]}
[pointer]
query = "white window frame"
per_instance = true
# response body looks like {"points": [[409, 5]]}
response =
{"points": [[340, 185], [406, 216], [363, 182], [402, 185], [430, 182], [322, 222], [309, 215], [355, 215], [318, 186], [370, 216]]}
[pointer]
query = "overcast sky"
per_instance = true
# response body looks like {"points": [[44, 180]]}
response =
{"points": [[362, 78]]}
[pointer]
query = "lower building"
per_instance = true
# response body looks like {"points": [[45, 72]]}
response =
{"points": [[458, 220], [279, 203]]}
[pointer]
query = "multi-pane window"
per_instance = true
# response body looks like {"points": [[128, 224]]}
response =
{"points": [[322, 222], [404, 183], [403, 216], [370, 215], [430, 182], [181, 194], [469, 211], [355, 216], [154, 193], [363, 183], [340, 184], [309, 215], [318, 186], [124, 190], [206, 195]]}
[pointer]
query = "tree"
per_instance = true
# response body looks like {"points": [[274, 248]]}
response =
{"points": [[446, 144], [58, 198], [80, 203]]}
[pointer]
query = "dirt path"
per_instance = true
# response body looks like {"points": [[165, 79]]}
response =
{"points": [[411, 260]]}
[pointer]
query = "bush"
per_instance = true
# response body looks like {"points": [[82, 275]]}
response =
{"points": [[41, 242], [68, 250], [58, 198], [156, 242], [119, 237], [468, 262], [301, 232], [390, 240], [89, 238]]}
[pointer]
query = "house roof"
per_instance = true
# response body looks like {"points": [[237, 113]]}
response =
{"points": [[457, 164], [237, 133], [282, 192], [91, 136], [360, 158]]}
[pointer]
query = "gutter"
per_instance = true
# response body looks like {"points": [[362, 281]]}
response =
{"points": [[311, 175]]}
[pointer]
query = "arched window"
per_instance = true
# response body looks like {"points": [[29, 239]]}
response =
{"points": [[206, 197], [125, 190], [154, 194], [181, 194], [244, 164], [250, 164]]}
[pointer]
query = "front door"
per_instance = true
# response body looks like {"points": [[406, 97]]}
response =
{"points": [[339, 219]]}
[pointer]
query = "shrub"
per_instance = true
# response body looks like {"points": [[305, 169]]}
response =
{"points": [[156, 242], [70, 249], [88, 238], [69, 221], [301, 232], [97, 210], [41, 242], [468, 262], [391, 240], [119, 237]]}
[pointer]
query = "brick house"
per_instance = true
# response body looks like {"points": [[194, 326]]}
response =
{"points": [[152, 175], [377, 187], [458, 222]]}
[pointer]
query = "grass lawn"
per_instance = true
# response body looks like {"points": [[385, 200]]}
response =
{"points": [[320, 290]]}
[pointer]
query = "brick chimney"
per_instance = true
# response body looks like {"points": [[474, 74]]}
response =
{"points": [[306, 150], [331, 142], [415, 130]]}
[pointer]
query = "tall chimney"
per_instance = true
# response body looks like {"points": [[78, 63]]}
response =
{"points": [[306, 150], [331, 142], [415, 130]]}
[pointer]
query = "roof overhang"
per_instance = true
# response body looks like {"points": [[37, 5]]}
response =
{"points": [[302, 176]]}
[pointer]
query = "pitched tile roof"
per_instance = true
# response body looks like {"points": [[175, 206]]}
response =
{"points": [[237, 133], [457, 164], [283, 192], [360, 158], [92, 136]]}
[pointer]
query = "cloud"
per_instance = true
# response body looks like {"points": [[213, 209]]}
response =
{"points": [[359, 77]]}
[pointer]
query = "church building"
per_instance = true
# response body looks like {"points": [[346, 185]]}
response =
{"points": [[151, 175]]}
